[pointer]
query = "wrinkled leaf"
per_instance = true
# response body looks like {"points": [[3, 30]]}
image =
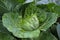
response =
{"points": [[33, 9], [52, 18], [42, 16], [20, 27]]}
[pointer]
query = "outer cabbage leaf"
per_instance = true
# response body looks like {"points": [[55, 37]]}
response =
{"points": [[10, 5], [2, 8], [52, 18], [4, 34], [51, 7], [46, 36], [21, 28], [7, 5], [58, 30], [2, 27], [57, 10], [43, 36], [54, 8]]}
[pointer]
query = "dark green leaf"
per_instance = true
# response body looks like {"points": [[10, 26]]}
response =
{"points": [[54, 8], [21, 1], [58, 30], [9, 5], [4, 34], [46, 36]]}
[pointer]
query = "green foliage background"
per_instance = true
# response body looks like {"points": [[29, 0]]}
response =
{"points": [[22, 20]]}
